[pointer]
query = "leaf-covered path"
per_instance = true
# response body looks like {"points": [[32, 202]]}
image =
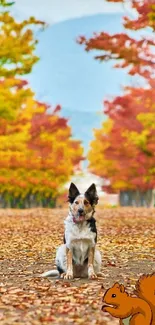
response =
{"points": [[28, 241]]}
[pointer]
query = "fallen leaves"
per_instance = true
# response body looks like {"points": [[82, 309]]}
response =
{"points": [[28, 245]]}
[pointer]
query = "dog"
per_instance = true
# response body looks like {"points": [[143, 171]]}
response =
{"points": [[78, 256]]}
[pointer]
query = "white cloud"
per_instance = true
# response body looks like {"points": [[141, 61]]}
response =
{"points": [[53, 11]]}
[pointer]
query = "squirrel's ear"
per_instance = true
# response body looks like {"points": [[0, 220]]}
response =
{"points": [[119, 286], [116, 285], [122, 288]]}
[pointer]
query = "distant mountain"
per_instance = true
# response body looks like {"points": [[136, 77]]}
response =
{"points": [[67, 75]]}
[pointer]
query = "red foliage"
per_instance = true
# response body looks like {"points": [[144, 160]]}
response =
{"points": [[135, 163], [134, 53]]}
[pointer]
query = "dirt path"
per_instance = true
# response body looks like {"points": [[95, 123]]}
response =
{"points": [[28, 241]]}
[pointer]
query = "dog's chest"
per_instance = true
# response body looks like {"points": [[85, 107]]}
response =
{"points": [[79, 238]]}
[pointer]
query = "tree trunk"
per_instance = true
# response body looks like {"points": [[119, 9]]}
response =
{"points": [[136, 198], [8, 200], [2, 201]]}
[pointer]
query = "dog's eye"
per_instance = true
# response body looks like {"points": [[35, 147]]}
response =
{"points": [[86, 202], [113, 295], [76, 202]]}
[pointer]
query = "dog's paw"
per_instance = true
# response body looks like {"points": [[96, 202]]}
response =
{"points": [[62, 275], [91, 273], [67, 276]]}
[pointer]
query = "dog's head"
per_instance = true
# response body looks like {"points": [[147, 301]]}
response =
{"points": [[82, 205]]}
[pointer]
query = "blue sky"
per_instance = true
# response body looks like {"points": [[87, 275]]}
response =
{"points": [[66, 74], [54, 11]]}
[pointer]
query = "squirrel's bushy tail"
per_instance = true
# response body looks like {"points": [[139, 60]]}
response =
{"points": [[145, 289]]}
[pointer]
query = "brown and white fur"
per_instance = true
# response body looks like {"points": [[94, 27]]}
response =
{"points": [[78, 256]]}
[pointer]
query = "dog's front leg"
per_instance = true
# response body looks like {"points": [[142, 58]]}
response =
{"points": [[69, 273], [91, 273]]}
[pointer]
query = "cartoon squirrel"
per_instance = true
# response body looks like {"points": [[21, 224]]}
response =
{"points": [[138, 310]]}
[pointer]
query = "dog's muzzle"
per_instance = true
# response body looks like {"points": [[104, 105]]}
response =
{"points": [[80, 217]]}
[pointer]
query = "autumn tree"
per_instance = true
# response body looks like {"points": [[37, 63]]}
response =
{"points": [[17, 57], [123, 149], [134, 53], [37, 156], [37, 152]]}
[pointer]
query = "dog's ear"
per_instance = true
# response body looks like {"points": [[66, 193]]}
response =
{"points": [[73, 192], [91, 194]]}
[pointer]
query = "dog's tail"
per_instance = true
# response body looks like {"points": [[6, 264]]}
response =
{"points": [[52, 273]]}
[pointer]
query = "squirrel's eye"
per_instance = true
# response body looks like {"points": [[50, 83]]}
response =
{"points": [[113, 295]]}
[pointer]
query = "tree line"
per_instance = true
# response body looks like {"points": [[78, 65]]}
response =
{"points": [[37, 152], [123, 149]]}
